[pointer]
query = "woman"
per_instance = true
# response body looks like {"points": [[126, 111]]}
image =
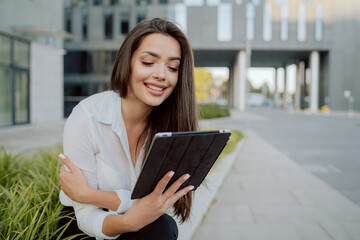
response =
{"points": [[108, 134]]}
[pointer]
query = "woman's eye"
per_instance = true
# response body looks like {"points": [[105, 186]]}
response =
{"points": [[147, 63], [173, 69]]}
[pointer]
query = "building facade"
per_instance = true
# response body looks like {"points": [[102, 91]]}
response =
{"points": [[31, 62], [320, 36]]}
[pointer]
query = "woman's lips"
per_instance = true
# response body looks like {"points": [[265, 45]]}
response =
{"points": [[154, 90]]}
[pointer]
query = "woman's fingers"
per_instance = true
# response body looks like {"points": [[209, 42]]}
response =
{"points": [[69, 166], [175, 186], [160, 187], [179, 194]]}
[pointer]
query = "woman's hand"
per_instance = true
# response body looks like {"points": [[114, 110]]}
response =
{"points": [[73, 181], [147, 209]]}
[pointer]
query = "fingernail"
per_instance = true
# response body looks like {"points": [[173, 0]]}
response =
{"points": [[191, 188], [171, 173], [62, 156], [186, 176]]}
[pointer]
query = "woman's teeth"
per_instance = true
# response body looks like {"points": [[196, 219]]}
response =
{"points": [[155, 88]]}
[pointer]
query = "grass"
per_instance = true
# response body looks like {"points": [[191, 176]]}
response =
{"points": [[236, 136], [29, 188], [208, 111], [29, 202]]}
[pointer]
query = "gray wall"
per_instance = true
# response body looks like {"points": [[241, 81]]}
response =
{"points": [[338, 48]]}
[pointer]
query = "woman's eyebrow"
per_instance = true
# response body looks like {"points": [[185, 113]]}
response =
{"points": [[158, 56]]}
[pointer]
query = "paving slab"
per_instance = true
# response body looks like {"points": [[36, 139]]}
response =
{"points": [[267, 195]]}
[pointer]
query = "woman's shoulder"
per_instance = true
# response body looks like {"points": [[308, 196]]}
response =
{"points": [[99, 98], [98, 103]]}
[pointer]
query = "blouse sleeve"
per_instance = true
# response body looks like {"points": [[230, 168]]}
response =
{"points": [[79, 147]]}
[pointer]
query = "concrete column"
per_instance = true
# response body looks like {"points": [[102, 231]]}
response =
{"points": [[239, 95], [76, 24], [116, 22], [300, 74], [284, 98], [276, 91], [314, 85], [230, 93], [96, 23]]}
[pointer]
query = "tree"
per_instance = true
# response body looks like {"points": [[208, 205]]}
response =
{"points": [[203, 81]]}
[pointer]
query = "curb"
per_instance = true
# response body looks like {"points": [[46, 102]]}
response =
{"points": [[204, 196]]}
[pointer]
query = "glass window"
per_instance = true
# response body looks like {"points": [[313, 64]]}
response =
{"points": [[125, 23], [68, 20], [140, 17], [143, 2], [114, 2], [21, 54], [256, 2], [5, 97], [301, 24], [318, 22], [84, 24], [97, 2], [178, 13], [224, 22], [213, 2], [284, 25], [163, 1], [250, 15], [267, 22], [108, 28], [5, 49], [194, 2], [238, 2], [21, 97]]}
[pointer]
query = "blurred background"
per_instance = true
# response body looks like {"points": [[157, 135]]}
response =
{"points": [[284, 72], [298, 54]]}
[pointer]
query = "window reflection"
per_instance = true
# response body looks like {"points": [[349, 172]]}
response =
{"points": [[267, 22], [224, 22], [301, 26], [5, 97], [5, 46], [21, 97], [284, 27], [250, 15], [318, 22], [21, 54]]}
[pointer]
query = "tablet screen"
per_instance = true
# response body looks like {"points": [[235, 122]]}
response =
{"points": [[182, 152]]}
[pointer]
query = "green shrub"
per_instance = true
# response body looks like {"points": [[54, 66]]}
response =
{"points": [[29, 188], [207, 111], [29, 202], [236, 136]]}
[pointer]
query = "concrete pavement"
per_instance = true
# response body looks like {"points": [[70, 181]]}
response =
{"points": [[26, 138], [265, 193]]}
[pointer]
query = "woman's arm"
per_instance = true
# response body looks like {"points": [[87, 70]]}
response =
{"points": [[75, 186], [143, 211], [147, 209]]}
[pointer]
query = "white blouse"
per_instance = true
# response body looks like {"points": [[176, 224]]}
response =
{"points": [[95, 140]]}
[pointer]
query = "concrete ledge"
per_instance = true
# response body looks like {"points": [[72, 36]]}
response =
{"points": [[204, 196]]}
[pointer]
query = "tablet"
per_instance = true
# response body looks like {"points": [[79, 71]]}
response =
{"points": [[182, 152]]}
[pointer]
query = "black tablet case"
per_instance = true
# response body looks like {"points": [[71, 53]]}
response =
{"points": [[183, 152]]}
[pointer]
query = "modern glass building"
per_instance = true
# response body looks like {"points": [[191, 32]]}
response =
{"points": [[320, 37], [14, 80], [31, 62]]}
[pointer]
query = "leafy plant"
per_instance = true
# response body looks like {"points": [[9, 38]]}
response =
{"points": [[207, 111], [29, 203]]}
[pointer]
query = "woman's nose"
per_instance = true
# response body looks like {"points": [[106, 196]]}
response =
{"points": [[159, 72]]}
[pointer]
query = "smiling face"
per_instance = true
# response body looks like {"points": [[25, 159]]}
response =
{"points": [[154, 69]]}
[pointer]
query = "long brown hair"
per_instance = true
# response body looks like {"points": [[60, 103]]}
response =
{"points": [[178, 112]]}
